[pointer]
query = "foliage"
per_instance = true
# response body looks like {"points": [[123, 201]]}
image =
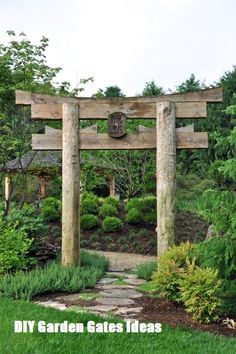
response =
{"points": [[14, 247], [171, 267], [151, 89], [53, 278], [51, 209], [200, 291], [141, 209], [214, 253], [110, 91], [25, 219], [112, 224], [146, 269], [134, 216], [88, 221], [88, 195], [107, 210], [112, 201], [191, 84], [89, 206]]}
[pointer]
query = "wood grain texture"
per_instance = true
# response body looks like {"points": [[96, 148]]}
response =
{"points": [[92, 129], [95, 110], [135, 141], [187, 128], [209, 95], [70, 186], [166, 176]]}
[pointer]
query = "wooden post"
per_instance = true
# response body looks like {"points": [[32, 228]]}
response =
{"points": [[112, 187], [166, 175], [7, 192], [42, 187], [70, 186]]}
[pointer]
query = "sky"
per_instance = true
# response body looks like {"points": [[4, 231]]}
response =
{"points": [[129, 42]]}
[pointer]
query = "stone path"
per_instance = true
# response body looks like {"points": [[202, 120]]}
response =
{"points": [[115, 293]]}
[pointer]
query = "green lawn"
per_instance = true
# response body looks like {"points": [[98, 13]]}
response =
{"points": [[169, 341]]}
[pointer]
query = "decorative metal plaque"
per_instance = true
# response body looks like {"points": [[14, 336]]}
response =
{"points": [[117, 124]]}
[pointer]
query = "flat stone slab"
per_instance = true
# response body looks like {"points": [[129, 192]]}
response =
{"points": [[116, 268], [53, 304], [115, 301], [113, 286], [123, 275], [135, 281], [128, 310], [121, 293], [70, 297], [106, 280], [101, 308]]}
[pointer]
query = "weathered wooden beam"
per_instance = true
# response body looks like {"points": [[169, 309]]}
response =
{"points": [[166, 176], [70, 186], [187, 128], [92, 129], [135, 141], [93, 110], [8, 192], [209, 95]]}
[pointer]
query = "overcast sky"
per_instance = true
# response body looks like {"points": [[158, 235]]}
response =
{"points": [[129, 42]]}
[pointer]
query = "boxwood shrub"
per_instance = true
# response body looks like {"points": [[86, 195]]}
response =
{"points": [[107, 210], [88, 221], [112, 224]]}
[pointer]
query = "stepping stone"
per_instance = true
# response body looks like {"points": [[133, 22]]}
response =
{"points": [[135, 281], [115, 301], [101, 308], [128, 310], [106, 280], [114, 286], [123, 275], [70, 297], [54, 304], [121, 293]]}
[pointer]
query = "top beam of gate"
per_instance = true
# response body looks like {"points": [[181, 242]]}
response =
{"points": [[188, 105]]}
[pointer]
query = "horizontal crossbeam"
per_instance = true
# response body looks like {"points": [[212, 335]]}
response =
{"points": [[210, 95], [135, 141], [93, 110]]}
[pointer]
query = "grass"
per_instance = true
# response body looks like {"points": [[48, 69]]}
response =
{"points": [[169, 341], [54, 278], [145, 270]]}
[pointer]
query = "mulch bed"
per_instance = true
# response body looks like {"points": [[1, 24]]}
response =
{"points": [[166, 312]]}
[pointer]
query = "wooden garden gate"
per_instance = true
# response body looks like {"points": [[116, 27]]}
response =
{"points": [[165, 139]]}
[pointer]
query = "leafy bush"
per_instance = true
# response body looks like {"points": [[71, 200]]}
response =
{"points": [[171, 268], [212, 253], [145, 270], [52, 278], [107, 210], [14, 247], [200, 292], [88, 221], [89, 206], [112, 201], [112, 224], [133, 216], [145, 208], [26, 220], [89, 195], [51, 209]]}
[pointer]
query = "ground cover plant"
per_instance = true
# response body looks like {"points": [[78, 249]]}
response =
{"points": [[54, 278]]}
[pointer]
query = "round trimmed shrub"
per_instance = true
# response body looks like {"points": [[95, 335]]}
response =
{"points": [[133, 216], [112, 201], [112, 224], [89, 206], [88, 195], [51, 209], [107, 210], [88, 221]]}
